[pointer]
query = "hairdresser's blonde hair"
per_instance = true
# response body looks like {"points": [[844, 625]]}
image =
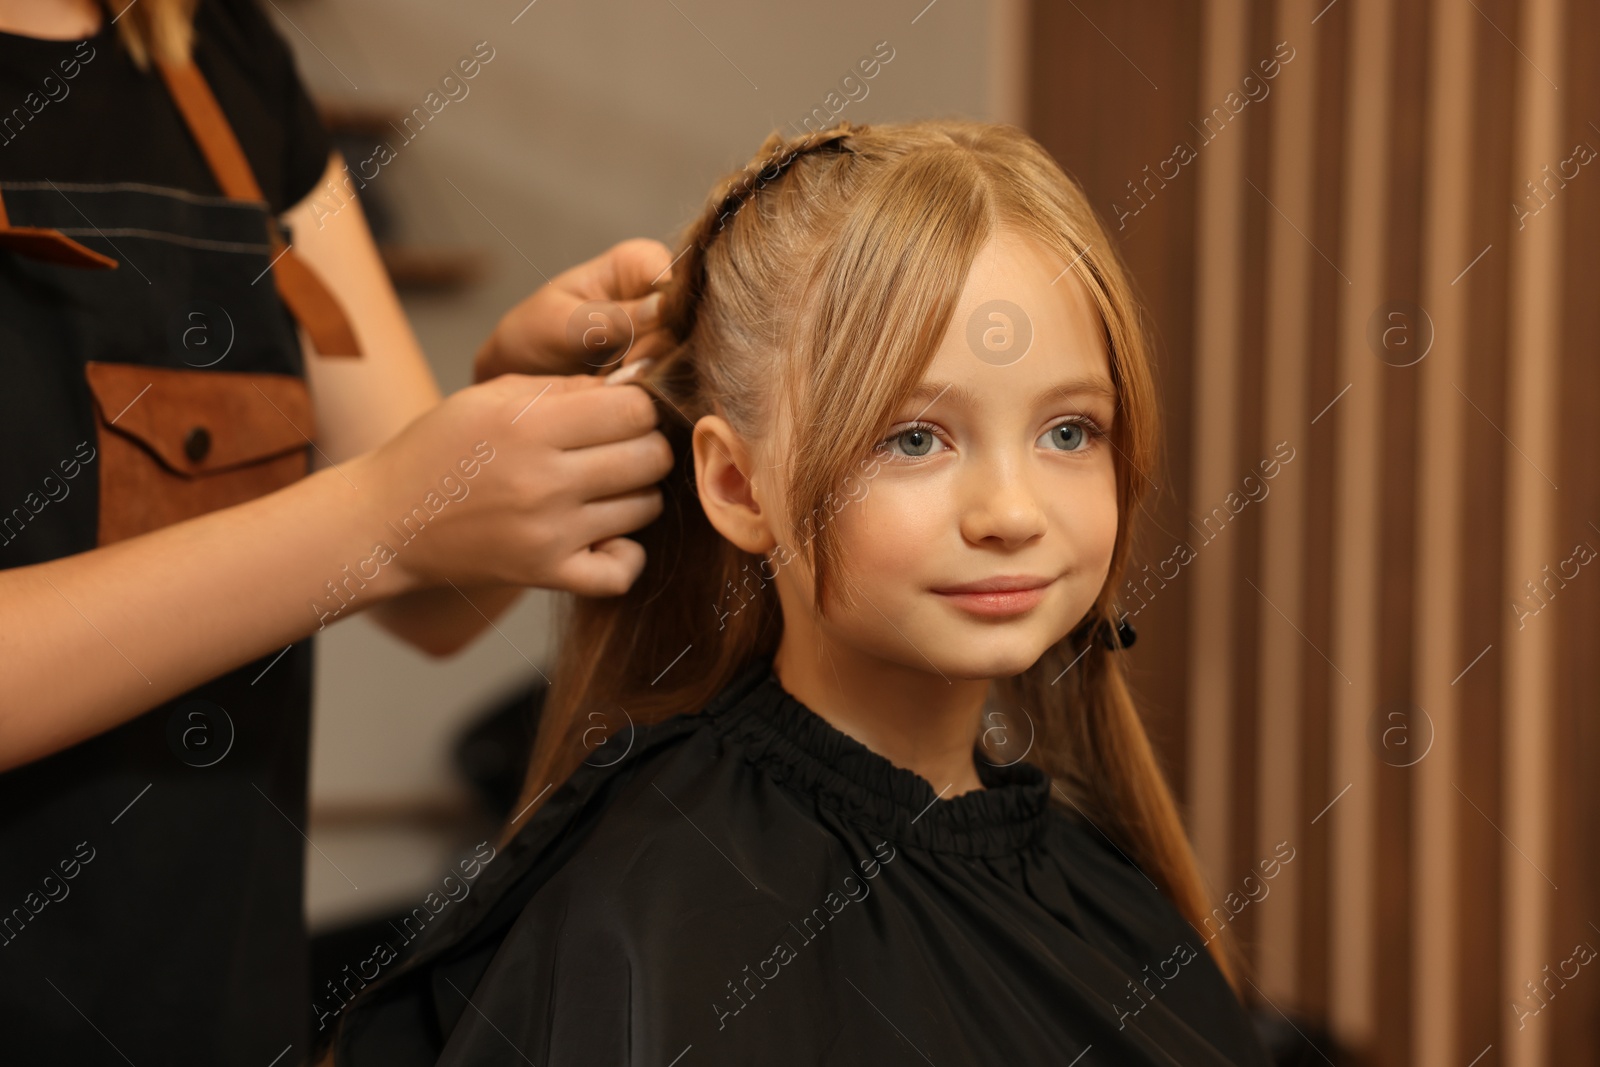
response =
{"points": [[823, 277], [154, 30]]}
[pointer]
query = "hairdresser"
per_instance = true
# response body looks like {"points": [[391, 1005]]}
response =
{"points": [[218, 436]]}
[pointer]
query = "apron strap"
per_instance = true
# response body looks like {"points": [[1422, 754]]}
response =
{"points": [[308, 299]]}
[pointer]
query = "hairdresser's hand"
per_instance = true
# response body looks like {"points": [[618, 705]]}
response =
{"points": [[595, 316], [526, 480]]}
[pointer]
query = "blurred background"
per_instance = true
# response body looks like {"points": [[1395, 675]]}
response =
{"points": [[1366, 234]]}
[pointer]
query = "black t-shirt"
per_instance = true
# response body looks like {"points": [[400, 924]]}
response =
{"points": [[151, 898], [81, 111]]}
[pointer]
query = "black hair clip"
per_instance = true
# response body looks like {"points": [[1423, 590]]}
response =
{"points": [[1122, 635]]}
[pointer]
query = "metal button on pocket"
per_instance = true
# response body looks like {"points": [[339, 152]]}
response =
{"points": [[197, 443]]}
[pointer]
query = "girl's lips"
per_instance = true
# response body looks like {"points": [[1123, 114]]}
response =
{"points": [[998, 603]]}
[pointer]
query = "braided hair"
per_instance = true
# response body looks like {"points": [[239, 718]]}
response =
{"points": [[772, 161]]}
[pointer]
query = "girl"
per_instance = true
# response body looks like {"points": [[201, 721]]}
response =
{"points": [[852, 774]]}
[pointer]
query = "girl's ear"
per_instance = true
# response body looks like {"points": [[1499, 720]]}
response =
{"points": [[731, 500]]}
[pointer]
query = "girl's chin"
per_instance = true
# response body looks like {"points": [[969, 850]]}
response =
{"points": [[1003, 661], [962, 650]]}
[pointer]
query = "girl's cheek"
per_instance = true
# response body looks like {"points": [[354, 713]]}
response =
{"points": [[1091, 529], [887, 531]]}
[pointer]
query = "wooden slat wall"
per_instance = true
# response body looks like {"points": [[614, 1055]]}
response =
{"points": [[1482, 1006], [1436, 951], [1575, 1022], [1313, 922], [1064, 70], [1354, 556], [1281, 671]]}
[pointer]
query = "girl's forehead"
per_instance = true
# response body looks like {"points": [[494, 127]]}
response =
{"points": [[1010, 255], [1042, 378], [1023, 320]]}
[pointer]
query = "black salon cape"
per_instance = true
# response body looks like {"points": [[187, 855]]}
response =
{"points": [[750, 885]]}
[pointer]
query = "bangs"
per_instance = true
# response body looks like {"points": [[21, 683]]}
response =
{"points": [[876, 308]]}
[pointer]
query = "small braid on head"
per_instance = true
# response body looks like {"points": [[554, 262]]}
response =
{"points": [[772, 160]]}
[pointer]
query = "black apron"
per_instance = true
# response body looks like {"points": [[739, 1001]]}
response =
{"points": [[151, 877]]}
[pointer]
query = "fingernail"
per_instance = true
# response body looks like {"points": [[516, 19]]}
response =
{"points": [[629, 372], [650, 308]]}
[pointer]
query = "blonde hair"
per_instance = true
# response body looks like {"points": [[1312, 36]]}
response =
{"points": [[154, 30], [823, 277]]}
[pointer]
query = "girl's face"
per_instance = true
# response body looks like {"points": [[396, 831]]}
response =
{"points": [[999, 473]]}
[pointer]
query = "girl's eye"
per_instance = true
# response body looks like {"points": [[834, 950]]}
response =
{"points": [[1078, 434], [1075, 435], [916, 441]]}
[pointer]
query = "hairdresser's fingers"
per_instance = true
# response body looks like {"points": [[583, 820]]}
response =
{"points": [[519, 389], [570, 382], [627, 271], [652, 338], [620, 466], [530, 403], [521, 382], [644, 315], [624, 277], [650, 345], [606, 569], [560, 328], [601, 520], [631, 273], [584, 417]]}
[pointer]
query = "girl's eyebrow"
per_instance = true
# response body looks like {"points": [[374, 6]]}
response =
{"points": [[1092, 385]]}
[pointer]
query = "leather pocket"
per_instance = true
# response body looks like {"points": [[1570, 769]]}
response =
{"points": [[179, 443]]}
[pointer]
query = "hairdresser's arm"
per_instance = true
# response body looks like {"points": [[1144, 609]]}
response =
{"points": [[360, 403], [89, 641]]}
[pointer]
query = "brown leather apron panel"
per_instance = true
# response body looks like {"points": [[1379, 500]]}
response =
{"points": [[175, 444]]}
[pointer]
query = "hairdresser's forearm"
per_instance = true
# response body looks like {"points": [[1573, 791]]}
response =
{"points": [[89, 641], [443, 620]]}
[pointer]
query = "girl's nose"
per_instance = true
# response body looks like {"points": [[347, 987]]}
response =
{"points": [[999, 502]]}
